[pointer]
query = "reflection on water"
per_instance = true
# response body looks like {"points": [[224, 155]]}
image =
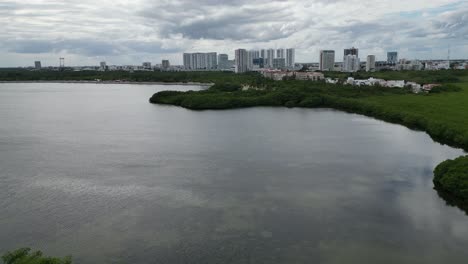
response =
{"points": [[97, 172]]}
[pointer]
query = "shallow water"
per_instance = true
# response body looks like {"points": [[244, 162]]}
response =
{"points": [[95, 171]]}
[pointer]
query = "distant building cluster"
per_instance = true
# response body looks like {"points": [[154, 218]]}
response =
{"points": [[277, 59], [200, 61], [244, 60]]}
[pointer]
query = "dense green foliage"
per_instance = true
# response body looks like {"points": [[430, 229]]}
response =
{"points": [[451, 176], [25, 256], [137, 76]]}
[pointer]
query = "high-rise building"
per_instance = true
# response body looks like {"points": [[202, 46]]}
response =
{"points": [[260, 62], [280, 53], [223, 62], [103, 66], [327, 60], [187, 61], [263, 54], [37, 65], [351, 51], [253, 54], [290, 58], [270, 55], [351, 63], [200, 61], [241, 60], [211, 61], [165, 64], [370, 63], [279, 63], [392, 57], [146, 65]]}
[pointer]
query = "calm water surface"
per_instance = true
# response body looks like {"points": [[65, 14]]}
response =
{"points": [[97, 172]]}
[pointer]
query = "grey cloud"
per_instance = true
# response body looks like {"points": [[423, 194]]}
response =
{"points": [[138, 29], [229, 20], [455, 24], [86, 47]]}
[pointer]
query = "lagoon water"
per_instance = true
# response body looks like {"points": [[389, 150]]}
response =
{"points": [[95, 171]]}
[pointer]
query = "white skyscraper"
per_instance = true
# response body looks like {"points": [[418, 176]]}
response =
{"points": [[211, 60], [165, 64], [279, 63], [290, 58], [327, 60], [241, 60], [103, 65], [187, 61], [253, 54], [351, 63], [280, 53], [223, 63], [370, 63], [200, 61], [269, 58]]}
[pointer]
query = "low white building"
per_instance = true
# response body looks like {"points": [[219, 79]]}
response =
{"points": [[278, 75], [409, 65], [312, 76], [395, 84], [437, 65], [372, 81]]}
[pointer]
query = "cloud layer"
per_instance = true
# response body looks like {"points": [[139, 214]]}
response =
{"points": [[129, 32]]}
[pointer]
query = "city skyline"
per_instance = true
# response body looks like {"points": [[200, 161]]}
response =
{"points": [[122, 32]]}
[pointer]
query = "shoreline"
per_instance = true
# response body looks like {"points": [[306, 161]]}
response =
{"points": [[114, 82]]}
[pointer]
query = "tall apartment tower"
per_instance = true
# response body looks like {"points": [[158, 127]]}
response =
{"points": [[392, 57], [255, 54], [223, 62], [103, 65], [280, 53], [290, 58], [165, 64], [188, 61], [252, 54], [351, 51], [263, 53], [37, 65], [270, 55], [351, 63], [241, 60], [211, 60], [200, 61], [327, 60], [370, 63]]}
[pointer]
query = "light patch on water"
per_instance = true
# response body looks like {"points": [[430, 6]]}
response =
{"points": [[84, 187]]}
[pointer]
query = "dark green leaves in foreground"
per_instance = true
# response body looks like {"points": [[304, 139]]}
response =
{"points": [[25, 256], [451, 176]]}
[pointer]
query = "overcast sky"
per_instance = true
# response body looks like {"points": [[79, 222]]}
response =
{"points": [[130, 32]]}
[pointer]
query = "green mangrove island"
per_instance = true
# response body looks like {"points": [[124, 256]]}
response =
{"points": [[442, 113], [26, 256]]}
